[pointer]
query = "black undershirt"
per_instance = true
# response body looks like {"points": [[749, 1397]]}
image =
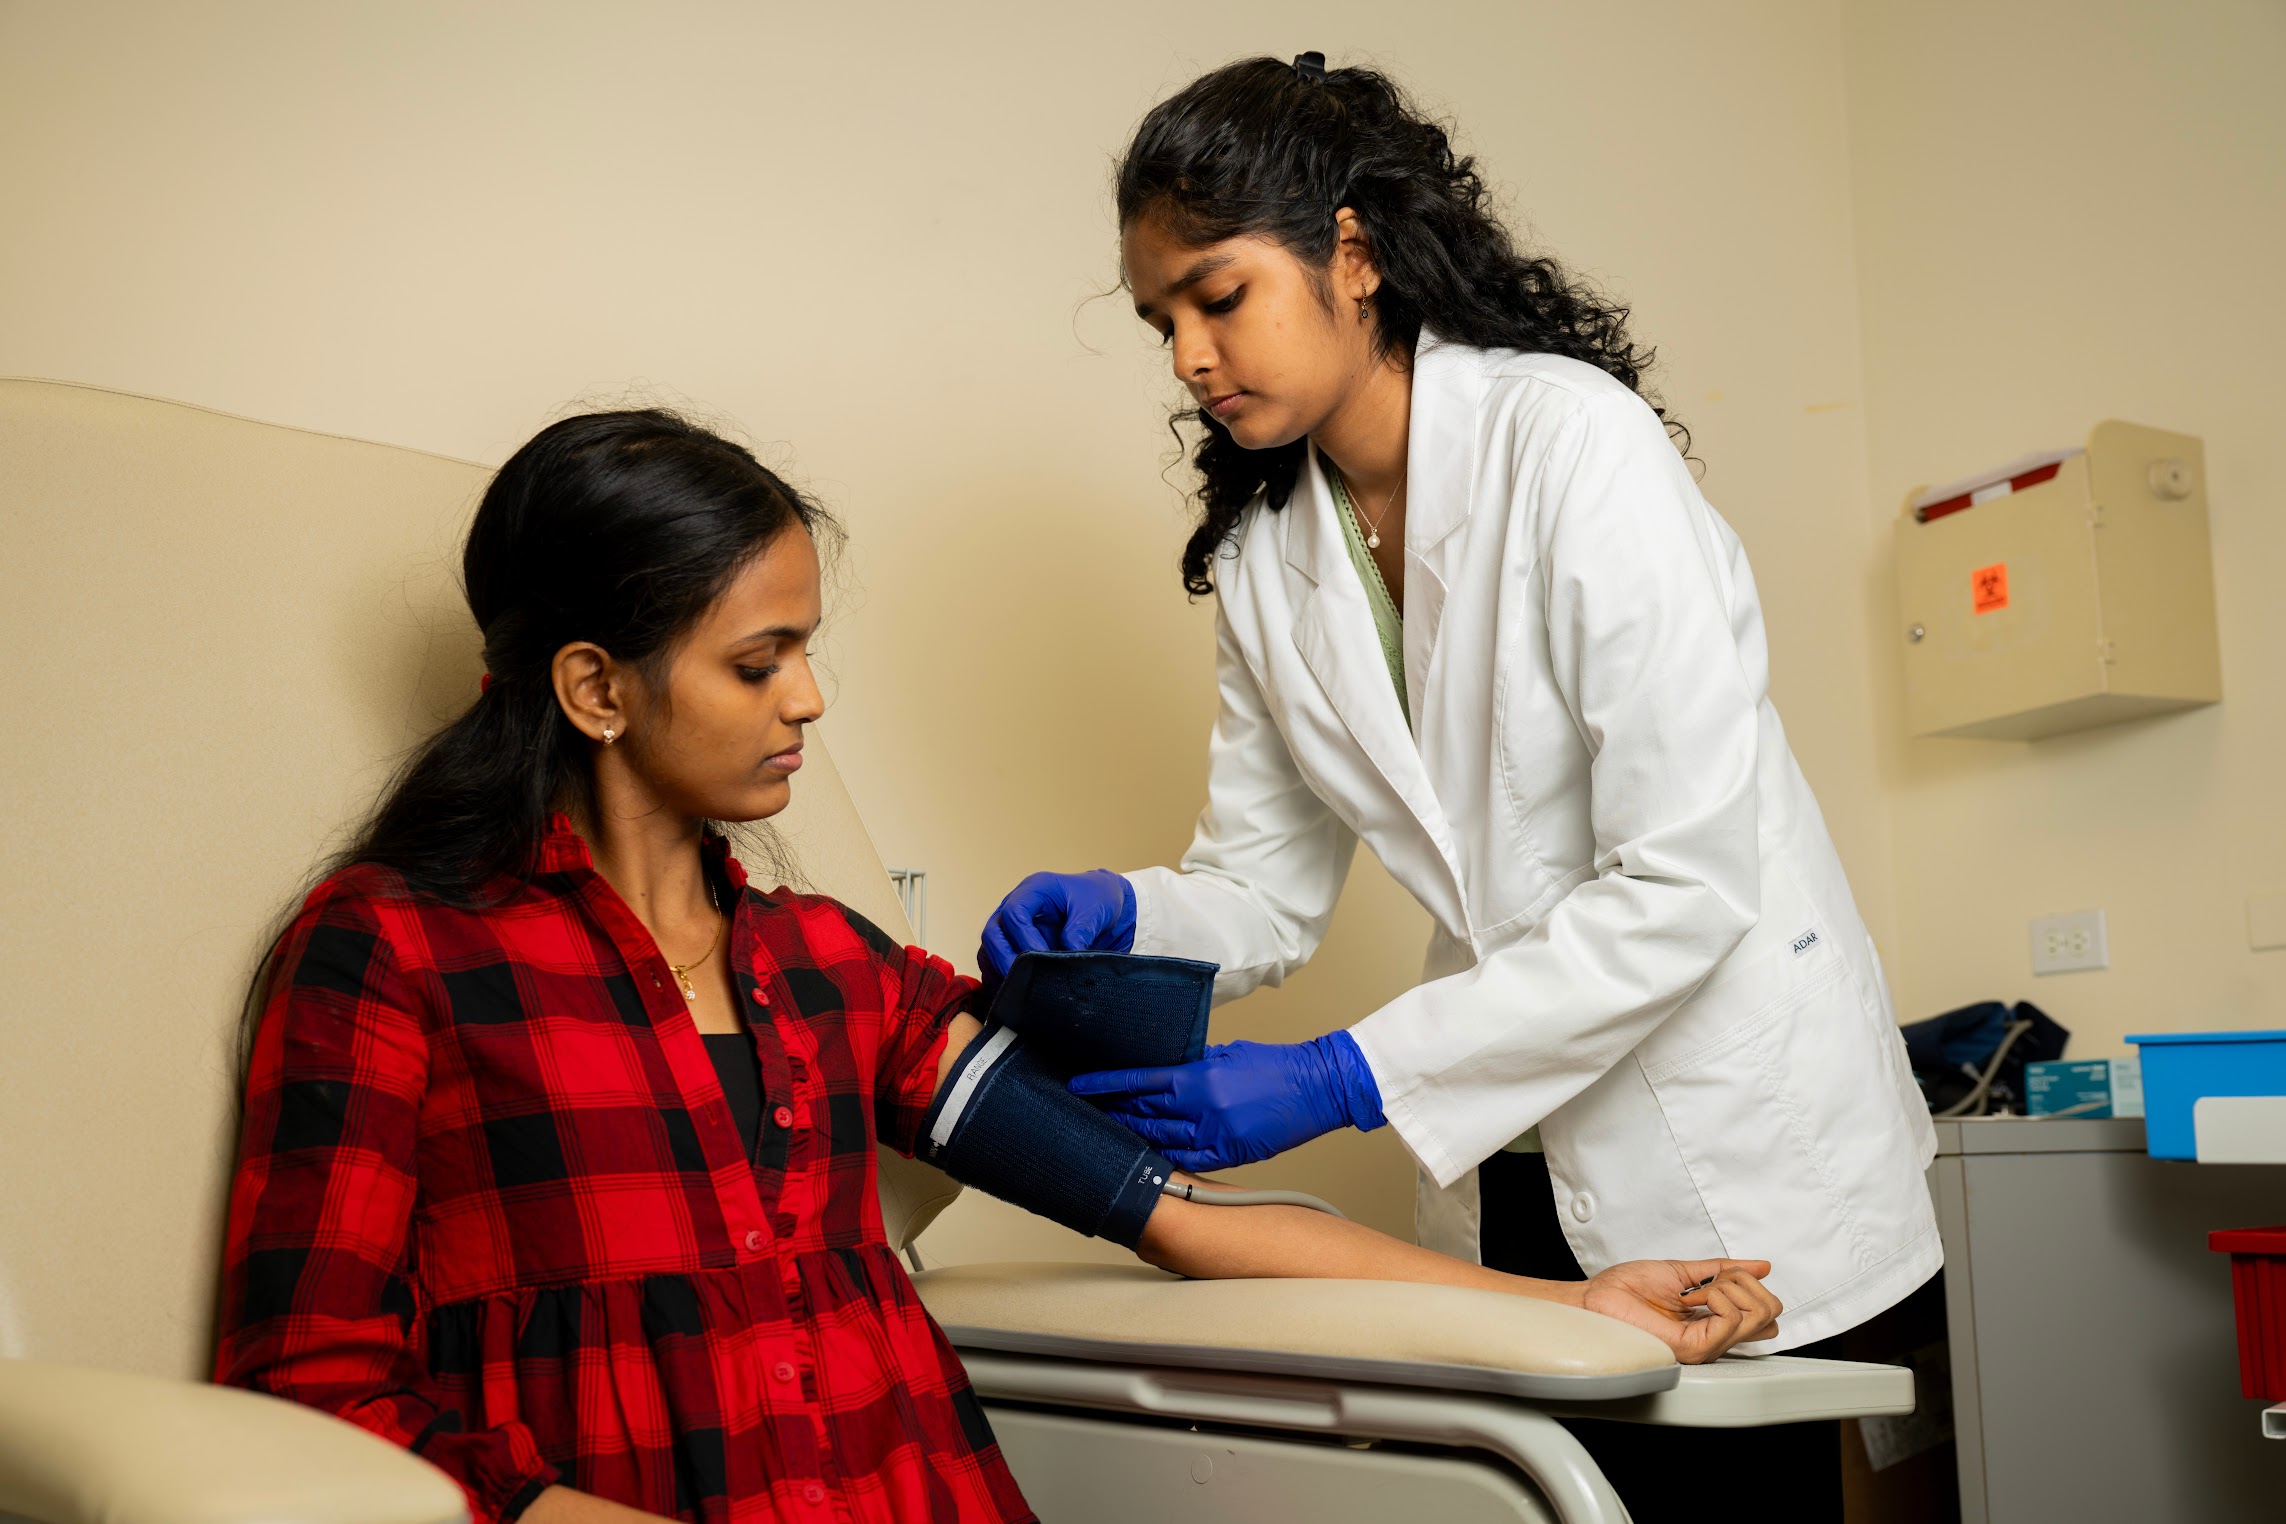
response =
{"points": [[741, 1076]]}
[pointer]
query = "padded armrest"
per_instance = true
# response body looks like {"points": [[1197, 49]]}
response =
{"points": [[1384, 1332], [101, 1447], [912, 1194]]}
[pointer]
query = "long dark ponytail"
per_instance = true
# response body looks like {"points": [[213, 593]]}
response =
{"points": [[1273, 150], [619, 528]]}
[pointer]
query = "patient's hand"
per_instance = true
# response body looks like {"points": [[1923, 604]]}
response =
{"points": [[1697, 1321]]}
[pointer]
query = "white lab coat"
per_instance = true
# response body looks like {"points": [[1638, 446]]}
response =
{"points": [[1644, 941]]}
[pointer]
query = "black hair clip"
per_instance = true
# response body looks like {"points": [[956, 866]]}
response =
{"points": [[1310, 68]]}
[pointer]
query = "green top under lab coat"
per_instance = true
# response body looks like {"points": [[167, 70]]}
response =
{"points": [[1389, 624]]}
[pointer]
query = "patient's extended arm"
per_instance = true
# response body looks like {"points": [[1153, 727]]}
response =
{"points": [[1700, 1308]]}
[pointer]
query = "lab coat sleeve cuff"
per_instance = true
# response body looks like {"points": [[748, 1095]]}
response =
{"points": [[1398, 1094], [1193, 915], [1147, 916]]}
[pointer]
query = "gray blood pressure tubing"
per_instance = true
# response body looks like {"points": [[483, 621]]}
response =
{"points": [[1004, 1121]]}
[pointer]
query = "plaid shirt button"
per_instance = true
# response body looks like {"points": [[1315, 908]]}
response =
{"points": [[452, 1086], [783, 1116]]}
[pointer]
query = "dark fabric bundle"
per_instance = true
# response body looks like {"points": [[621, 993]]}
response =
{"points": [[1970, 1062]]}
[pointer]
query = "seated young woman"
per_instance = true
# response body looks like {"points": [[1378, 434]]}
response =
{"points": [[497, 1198]]}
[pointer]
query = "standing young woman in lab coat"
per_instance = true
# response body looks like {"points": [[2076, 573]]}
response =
{"points": [[1474, 612]]}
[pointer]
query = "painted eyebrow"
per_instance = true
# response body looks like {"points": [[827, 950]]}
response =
{"points": [[1202, 267]]}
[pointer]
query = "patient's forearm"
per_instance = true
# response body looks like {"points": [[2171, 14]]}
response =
{"points": [[1231, 1243], [1234, 1243]]}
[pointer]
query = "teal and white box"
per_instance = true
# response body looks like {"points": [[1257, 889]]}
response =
{"points": [[2088, 1087]]}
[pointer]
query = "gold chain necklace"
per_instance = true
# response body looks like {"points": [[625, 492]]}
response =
{"points": [[1372, 530], [682, 971]]}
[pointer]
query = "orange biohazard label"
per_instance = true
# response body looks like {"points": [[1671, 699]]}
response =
{"points": [[1988, 587]]}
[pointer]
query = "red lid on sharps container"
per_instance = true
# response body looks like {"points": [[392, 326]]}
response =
{"points": [[2248, 1240]]}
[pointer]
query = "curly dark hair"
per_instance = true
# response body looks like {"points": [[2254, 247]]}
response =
{"points": [[1266, 149]]}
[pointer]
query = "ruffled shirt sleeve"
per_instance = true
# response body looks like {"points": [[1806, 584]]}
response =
{"points": [[920, 995]]}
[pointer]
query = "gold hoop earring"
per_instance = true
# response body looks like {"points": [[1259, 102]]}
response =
{"points": [[609, 735]]}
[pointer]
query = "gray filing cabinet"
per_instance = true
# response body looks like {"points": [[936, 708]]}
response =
{"points": [[2095, 1367]]}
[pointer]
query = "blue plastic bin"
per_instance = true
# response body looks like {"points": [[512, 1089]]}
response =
{"points": [[2179, 1067]]}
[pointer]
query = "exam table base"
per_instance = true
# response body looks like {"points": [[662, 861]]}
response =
{"points": [[1300, 1424], [1120, 1470]]}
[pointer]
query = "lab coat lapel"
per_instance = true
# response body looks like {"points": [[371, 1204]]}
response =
{"points": [[1333, 632], [1440, 477]]}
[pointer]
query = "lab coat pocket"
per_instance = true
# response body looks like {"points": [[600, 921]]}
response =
{"points": [[1747, 995], [1770, 1120], [1790, 952]]}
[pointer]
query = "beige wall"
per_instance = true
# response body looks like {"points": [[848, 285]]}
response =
{"points": [[2067, 213], [870, 235]]}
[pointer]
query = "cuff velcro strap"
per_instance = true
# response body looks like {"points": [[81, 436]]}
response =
{"points": [[1004, 1123], [1108, 1010]]}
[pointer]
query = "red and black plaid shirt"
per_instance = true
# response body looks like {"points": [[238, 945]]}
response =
{"points": [[490, 1204]]}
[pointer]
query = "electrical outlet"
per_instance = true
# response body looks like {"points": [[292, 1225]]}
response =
{"points": [[2067, 944]]}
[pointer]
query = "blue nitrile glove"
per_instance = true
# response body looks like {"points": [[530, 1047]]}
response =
{"points": [[1243, 1101], [1059, 912]]}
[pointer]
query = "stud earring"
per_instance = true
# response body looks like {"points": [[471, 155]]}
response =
{"points": [[609, 735]]}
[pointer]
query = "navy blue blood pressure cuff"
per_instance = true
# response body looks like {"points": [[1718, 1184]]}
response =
{"points": [[1107, 1010], [1004, 1123]]}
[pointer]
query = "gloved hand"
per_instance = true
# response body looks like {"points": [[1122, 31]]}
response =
{"points": [[1052, 912], [1243, 1101]]}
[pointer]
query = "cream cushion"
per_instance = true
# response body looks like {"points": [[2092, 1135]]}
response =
{"points": [[225, 633], [1448, 1337], [108, 1448]]}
